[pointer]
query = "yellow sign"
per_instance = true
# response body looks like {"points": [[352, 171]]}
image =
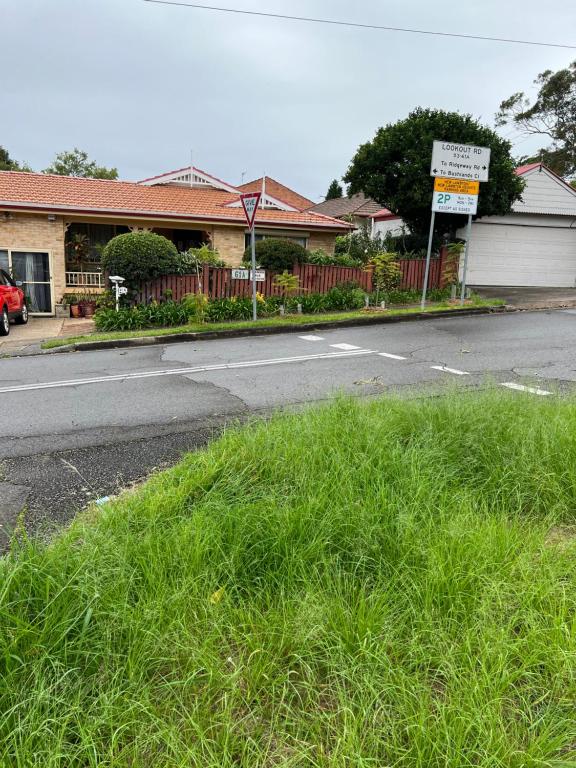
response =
{"points": [[458, 186]]}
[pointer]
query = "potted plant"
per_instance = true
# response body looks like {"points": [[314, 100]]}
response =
{"points": [[87, 305], [72, 301]]}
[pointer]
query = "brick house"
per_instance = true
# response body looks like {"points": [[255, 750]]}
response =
{"points": [[41, 213]]}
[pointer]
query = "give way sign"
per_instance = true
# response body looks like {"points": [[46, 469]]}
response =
{"points": [[250, 202]]}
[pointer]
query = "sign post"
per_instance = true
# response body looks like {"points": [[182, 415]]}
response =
{"points": [[250, 203], [458, 170]]}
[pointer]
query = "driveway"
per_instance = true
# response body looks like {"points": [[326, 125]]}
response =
{"points": [[528, 296], [26, 338]]}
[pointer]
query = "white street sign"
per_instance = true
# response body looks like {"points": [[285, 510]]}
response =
{"points": [[122, 291], [244, 274], [460, 161], [454, 202]]}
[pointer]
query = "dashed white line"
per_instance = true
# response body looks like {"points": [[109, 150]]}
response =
{"points": [[345, 347], [185, 371], [311, 338], [530, 390], [392, 357], [444, 369]]}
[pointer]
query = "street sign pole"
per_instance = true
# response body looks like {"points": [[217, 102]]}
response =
{"points": [[253, 249], [465, 267], [428, 257], [250, 202]]}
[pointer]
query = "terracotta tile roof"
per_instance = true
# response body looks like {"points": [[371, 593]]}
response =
{"points": [[357, 205], [384, 213], [98, 196], [280, 192], [521, 170]]}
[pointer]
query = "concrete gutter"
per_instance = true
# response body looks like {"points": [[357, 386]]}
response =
{"points": [[233, 333]]}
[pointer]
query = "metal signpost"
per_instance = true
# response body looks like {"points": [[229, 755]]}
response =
{"points": [[458, 170], [250, 203]]}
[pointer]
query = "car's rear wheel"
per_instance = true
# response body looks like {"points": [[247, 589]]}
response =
{"points": [[4, 322], [22, 318]]}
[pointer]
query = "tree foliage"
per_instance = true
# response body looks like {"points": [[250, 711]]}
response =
{"points": [[76, 163], [138, 256], [9, 164], [394, 168], [335, 191], [552, 116]]}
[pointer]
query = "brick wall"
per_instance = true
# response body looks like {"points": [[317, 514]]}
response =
{"points": [[324, 240], [34, 232], [229, 242]]}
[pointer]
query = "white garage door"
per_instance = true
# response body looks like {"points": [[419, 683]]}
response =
{"points": [[504, 254]]}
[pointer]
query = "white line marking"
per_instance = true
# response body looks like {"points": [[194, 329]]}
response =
{"points": [[455, 371], [522, 388], [184, 371], [392, 357], [345, 347], [311, 338]]}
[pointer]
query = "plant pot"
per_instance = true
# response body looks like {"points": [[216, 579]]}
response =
{"points": [[75, 310], [88, 308]]}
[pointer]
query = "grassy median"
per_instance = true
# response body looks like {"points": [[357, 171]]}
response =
{"points": [[267, 322], [390, 583]]}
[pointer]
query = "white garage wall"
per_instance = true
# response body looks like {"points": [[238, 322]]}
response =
{"points": [[524, 251]]}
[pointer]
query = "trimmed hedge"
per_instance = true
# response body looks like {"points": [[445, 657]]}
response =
{"points": [[139, 256], [277, 254]]}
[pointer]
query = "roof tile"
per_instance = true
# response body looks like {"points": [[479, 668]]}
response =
{"points": [[59, 193]]}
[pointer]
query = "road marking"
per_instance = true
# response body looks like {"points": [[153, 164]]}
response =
{"points": [[455, 371], [311, 338], [392, 357], [530, 390], [185, 371], [345, 347]]}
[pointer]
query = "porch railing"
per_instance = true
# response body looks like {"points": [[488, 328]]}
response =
{"points": [[84, 280]]}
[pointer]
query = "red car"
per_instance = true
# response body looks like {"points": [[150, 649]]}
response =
{"points": [[12, 303]]}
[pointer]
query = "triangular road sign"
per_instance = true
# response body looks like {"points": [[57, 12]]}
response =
{"points": [[250, 203]]}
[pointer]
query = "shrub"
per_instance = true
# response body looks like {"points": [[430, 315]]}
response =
{"points": [[360, 245], [323, 259], [154, 315], [345, 297], [386, 272], [191, 260], [138, 256], [277, 254]]}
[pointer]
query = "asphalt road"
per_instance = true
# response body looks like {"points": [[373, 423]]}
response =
{"points": [[79, 426]]}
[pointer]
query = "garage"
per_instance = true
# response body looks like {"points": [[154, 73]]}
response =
{"points": [[533, 246]]}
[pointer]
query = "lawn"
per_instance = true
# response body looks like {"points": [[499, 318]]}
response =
{"points": [[286, 321], [360, 585]]}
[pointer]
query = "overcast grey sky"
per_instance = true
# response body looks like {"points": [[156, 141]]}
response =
{"points": [[138, 85]]}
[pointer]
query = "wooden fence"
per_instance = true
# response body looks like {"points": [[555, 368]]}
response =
{"points": [[218, 283]]}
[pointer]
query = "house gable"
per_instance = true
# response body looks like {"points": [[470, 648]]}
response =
{"points": [[188, 177], [545, 193]]}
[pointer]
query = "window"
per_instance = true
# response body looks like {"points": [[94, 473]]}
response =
{"points": [[258, 236], [98, 235]]}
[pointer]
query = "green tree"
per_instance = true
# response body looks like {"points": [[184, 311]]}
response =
{"points": [[8, 164], [138, 256], [334, 191], [552, 115], [394, 168], [76, 163]]}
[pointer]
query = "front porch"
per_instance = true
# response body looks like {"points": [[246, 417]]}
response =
{"points": [[85, 242]]}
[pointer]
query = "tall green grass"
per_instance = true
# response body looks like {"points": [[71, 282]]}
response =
{"points": [[358, 586]]}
